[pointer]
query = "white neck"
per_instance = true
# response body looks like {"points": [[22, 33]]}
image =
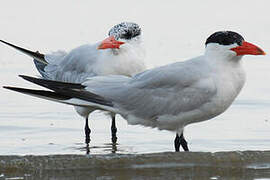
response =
{"points": [[222, 55], [227, 72], [127, 60]]}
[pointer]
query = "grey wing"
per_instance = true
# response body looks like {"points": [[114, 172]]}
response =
{"points": [[172, 89], [52, 60], [74, 66]]}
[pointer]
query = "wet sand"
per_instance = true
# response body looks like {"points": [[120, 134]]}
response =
{"points": [[168, 165]]}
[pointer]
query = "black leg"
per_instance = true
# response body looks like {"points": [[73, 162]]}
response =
{"points": [[114, 148], [87, 132], [180, 140], [87, 149], [113, 130], [177, 143], [183, 142]]}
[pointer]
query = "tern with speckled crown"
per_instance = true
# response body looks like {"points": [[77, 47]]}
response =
{"points": [[121, 53], [169, 97]]}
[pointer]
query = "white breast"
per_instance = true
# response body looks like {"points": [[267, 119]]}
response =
{"points": [[229, 80]]}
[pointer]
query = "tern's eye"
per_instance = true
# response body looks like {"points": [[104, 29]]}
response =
{"points": [[240, 42], [127, 35]]}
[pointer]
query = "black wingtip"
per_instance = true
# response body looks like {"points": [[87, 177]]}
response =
{"points": [[69, 89], [33, 80], [28, 78], [13, 88], [40, 57], [8, 87], [51, 83], [17, 89], [40, 93]]}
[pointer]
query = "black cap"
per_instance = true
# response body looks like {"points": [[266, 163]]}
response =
{"points": [[225, 38], [125, 30]]}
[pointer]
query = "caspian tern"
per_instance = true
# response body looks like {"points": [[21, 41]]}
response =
{"points": [[102, 58], [168, 97]]}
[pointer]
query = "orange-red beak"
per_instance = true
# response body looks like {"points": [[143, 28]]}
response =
{"points": [[248, 48], [111, 43]]}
